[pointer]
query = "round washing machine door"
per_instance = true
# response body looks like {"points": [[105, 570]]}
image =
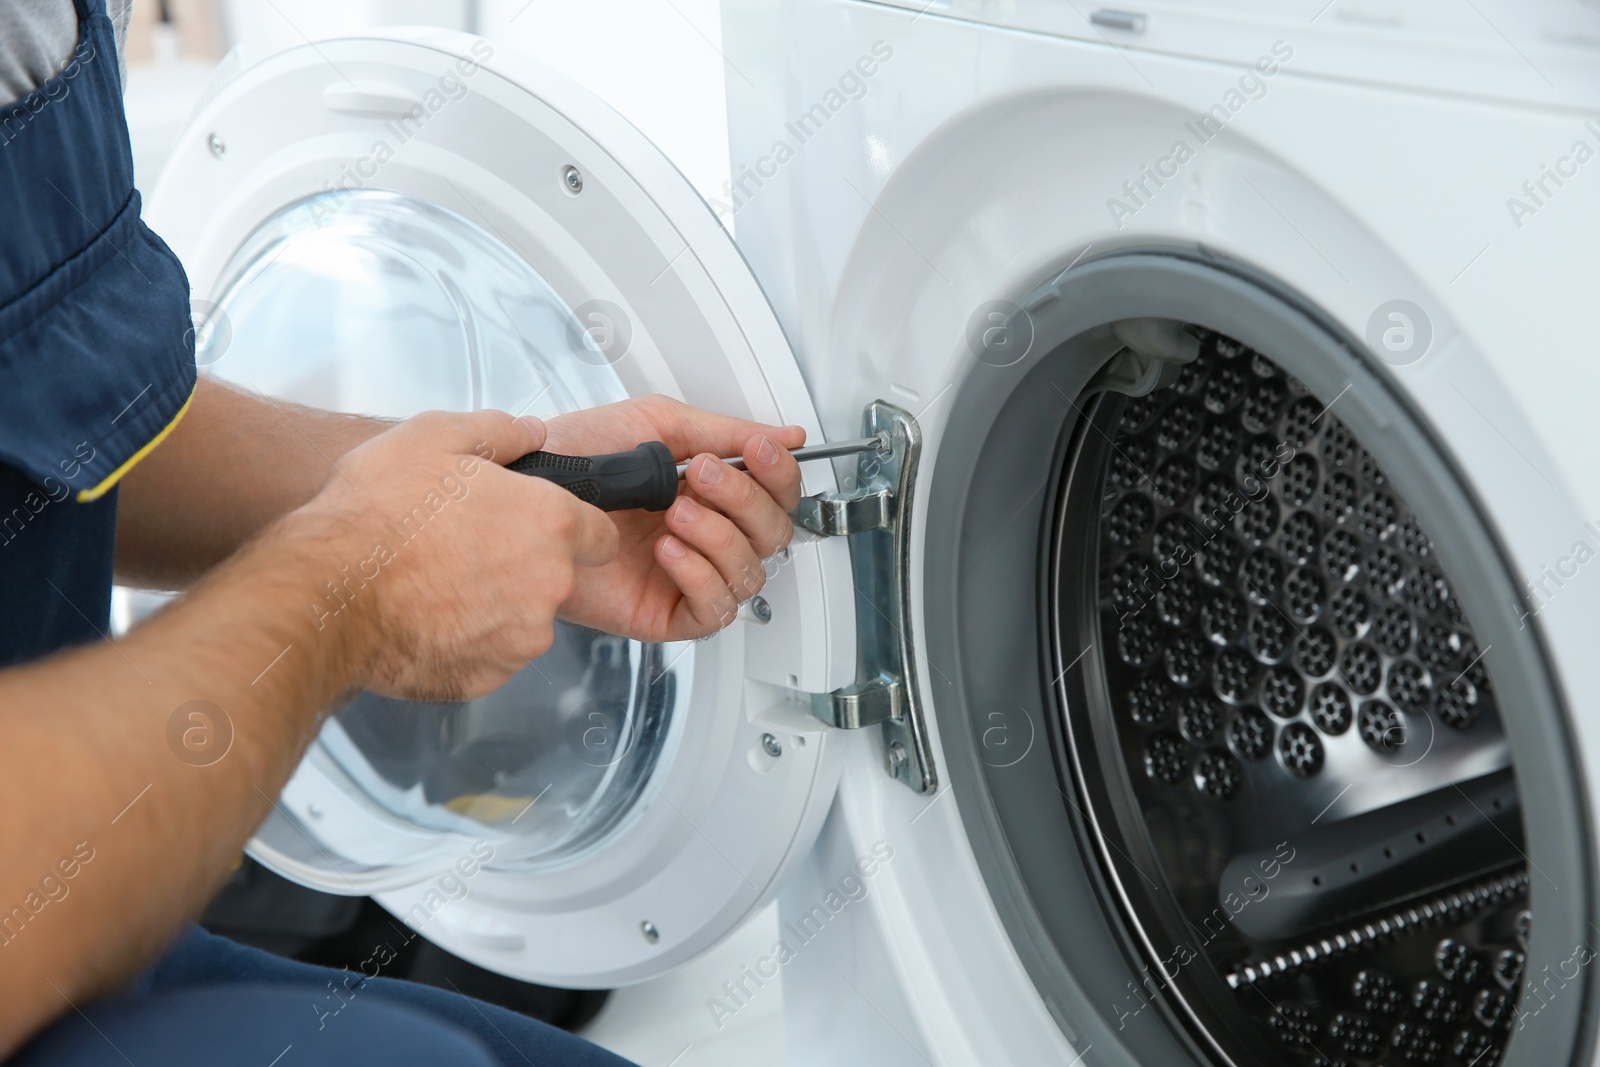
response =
{"points": [[395, 224]]}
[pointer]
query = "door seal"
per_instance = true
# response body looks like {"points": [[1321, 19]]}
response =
{"points": [[876, 515]]}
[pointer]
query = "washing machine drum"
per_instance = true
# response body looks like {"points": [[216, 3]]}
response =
{"points": [[1257, 793], [1302, 714]]}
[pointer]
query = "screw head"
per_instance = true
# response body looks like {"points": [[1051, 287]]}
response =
{"points": [[572, 178], [651, 934], [897, 758], [219, 147], [761, 609], [770, 743]]}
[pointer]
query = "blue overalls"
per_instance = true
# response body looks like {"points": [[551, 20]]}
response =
{"points": [[96, 366], [96, 358]]}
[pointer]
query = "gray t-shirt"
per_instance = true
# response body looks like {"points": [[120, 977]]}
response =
{"points": [[37, 38]]}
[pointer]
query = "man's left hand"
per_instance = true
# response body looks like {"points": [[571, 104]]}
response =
{"points": [[682, 573]]}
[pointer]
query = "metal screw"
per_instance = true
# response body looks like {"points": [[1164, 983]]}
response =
{"points": [[761, 609], [572, 179], [770, 743], [219, 147], [897, 758], [648, 929]]}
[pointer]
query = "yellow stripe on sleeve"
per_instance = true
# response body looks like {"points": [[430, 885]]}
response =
{"points": [[98, 491]]}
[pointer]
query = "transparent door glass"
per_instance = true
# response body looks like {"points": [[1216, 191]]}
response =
{"points": [[381, 304]]}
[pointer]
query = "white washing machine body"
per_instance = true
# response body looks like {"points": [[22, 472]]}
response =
{"points": [[916, 188], [902, 170]]}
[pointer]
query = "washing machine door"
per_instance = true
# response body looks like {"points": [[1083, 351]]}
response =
{"points": [[420, 221]]}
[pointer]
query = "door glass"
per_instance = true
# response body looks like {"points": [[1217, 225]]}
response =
{"points": [[381, 304]]}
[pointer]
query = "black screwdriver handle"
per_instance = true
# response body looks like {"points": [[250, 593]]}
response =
{"points": [[646, 477]]}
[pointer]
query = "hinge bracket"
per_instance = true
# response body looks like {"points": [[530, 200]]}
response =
{"points": [[843, 514], [875, 513]]}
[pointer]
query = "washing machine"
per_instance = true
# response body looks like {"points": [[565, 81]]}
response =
{"points": [[1204, 673]]}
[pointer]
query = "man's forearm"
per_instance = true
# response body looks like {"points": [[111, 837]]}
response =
{"points": [[449, 571], [235, 463], [128, 830]]}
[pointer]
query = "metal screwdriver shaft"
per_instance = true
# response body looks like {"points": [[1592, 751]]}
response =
{"points": [[647, 476], [829, 450]]}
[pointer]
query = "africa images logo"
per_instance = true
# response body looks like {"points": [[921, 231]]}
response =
{"points": [[356, 174], [1203, 128], [16, 117], [799, 929], [1538, 190], [850, 85]]}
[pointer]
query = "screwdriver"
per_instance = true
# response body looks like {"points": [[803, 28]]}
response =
{"points": [[647, 476]]}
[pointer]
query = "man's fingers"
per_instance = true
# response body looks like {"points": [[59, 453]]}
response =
{"points": [[688, 430], [707, 600], [778, 472], [716, 538], [595, 538], [536, 435], [492, 435], [542, 509], [724, 436], [747, 501]]}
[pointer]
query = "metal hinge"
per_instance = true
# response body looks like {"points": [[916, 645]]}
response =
{"points": [[875, 512]]}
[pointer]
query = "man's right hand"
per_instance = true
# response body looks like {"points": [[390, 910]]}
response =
{"points": [[449, 566], [422, 568]]}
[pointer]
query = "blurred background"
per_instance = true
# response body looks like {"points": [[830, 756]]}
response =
{"points": [[658, 62]]}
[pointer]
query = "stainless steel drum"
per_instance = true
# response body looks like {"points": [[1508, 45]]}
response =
{"points": [[1285, 740]]}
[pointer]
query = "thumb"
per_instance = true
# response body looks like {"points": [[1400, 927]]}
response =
{"points": [[500, 437], [596, 540], [536, 433]]}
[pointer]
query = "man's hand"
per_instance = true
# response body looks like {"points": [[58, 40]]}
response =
{"points": [[682, 573], [456, 566], [420, 567], [679, 575]]}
